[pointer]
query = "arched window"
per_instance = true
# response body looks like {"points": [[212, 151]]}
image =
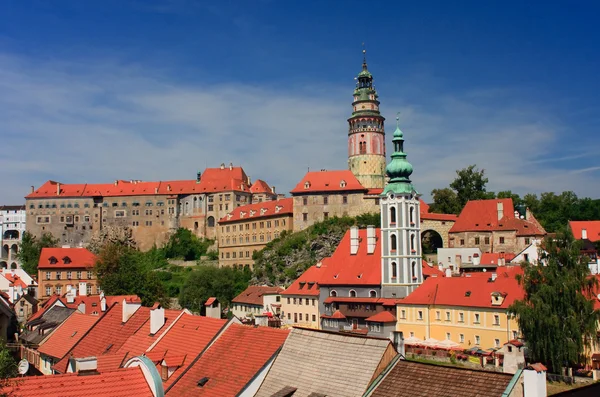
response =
{"points": [[362, 147], [412, 215], [393, 215], [393, 243], [333, 293], [211, 221], [352, 294], [394, 270], [414, 270], [412, 242], [372, 294]]}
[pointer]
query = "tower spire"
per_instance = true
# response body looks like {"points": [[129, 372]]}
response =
{"points": [[399, 169], [364, 51]]}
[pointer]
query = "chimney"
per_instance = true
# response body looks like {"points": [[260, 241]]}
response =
{"points": [[494, 276], [83, 288], [70, 296], [222, 166], [354, 240], [86, 364], [32, 189], [371, 239], [273, 189], [458, 260], [58, 189], [398, 341], [156, 190], [116, 183], [129, 308], [230, 166], [198, 176], [534, 380], [249, 181], [81, 307], [157, 318], [583, 234], [500, 207], [102, 302]]}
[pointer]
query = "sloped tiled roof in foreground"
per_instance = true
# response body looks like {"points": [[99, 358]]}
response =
{"points": [[412, 379], [326, 363]]}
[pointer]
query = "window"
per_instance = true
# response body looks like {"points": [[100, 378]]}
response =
{"points": [[314, 317], [307, 301], [333, 293], [211, 207], [496, 319], [325, 200], [462, 241], [448, 335], [438, 315], [527, 240], [313, 301], [305, 217], [514, 333], [372, 294], [295, 301], [148, 223], [325, 215], [477, 340], [461, 317], [289, 316], [344, 199], [48, 275], [352, 294], [496, 342], [501, 240], [300, 316], [420, 315], [42, 219], [48, 291], [403, 314], [89, 275], [393, 215], [476, 318], [304, 200], [79, 275], [394, 270], [58, 275], [120, 213], [69, 275], [476, 240], [487, 240], [59, 289], [393, 243], [89, 289], [447, 316], [461, 338], [375, 327]]}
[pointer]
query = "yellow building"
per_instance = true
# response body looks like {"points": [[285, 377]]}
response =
{"points": [[470, 311], [300, 301]]}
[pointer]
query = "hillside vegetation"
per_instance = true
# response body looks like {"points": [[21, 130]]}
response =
{"points": [[287, 257]]}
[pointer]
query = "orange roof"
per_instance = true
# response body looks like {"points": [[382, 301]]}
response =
{"points": [[212, 181], [210, 301], [253, 295], [307, 284], [592, 229], [482, 215], [44, 307], [123, 382], [338, 315], [426, 215], [260, 210], [492, 258], [108, 362], [78, 258], [467, 291], [67, 335], [189, 336], [15, 280], [382, 317], [260, 186], [328, 181], [231, 362]]}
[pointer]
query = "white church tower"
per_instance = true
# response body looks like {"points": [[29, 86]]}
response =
{"points": [[401, 263]]}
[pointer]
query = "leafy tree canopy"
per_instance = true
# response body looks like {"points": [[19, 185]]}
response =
{"points": [[557, 316], [30, 249], [469, 184], [183, 244]]}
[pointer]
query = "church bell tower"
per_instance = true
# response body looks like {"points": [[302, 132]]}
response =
{"points": [[366, 135]]}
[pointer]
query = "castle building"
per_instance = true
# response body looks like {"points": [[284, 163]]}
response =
{"points": [[12, 226], [74, 212], [366, 135], [401, 270]]}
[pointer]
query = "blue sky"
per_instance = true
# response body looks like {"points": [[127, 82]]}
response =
{"points": [[93, 91]]}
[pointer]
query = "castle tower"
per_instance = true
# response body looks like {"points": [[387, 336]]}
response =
{"points": [[401, 263], [366, 135]]}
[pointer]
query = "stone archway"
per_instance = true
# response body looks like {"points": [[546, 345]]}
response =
{"points": [[431, 240], [14, 265], [5, 251], [3, 265]]}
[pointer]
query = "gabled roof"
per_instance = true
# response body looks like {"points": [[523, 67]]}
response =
{"points": [[382, 317], [15, 280], [67, 335], [467, 291], [231, 362], [123, 382], [47, 323], [307, 284], [210, 301], [482, 215], [328, 363], [492, 258], [80, 258], [260, 210], [337, 315], [328, 181], [259, 186], [188, 336], [592, 229], [12, 207], [253, 295], [410, 379], [426, 215], [52, 301]]}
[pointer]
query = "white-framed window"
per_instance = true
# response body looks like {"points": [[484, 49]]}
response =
{"points": [[352, 293], [403, 314], [496, 342], [514, 334], [476, 318], [447, 335], [120, 213], [461, 317], [48, 291], [333, 293], [69, 275], [496, 319], [447, 316], [420, 315], [375, 327], [412, 334], [48, 275], [372, 294], [79, 274], [477, 340], [89, 289], [438, 315], [90, 275], [461, 338]]}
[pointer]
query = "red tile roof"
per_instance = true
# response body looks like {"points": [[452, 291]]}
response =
{"points": [[426, 215], [338, 315], [15, 280], [382, 317], [45, 306], [592, 229], [67, 335], [92, 303], [307, 284], [260, 186], [482, 215], [110, 361], [210, 301], [515, 342], [328, 181], [108, 334], [253, 295], [213, 180], [467, 291], [492, 258], [231, 362], [260, 210], [188, 336], [80, 258], [124, 382]]}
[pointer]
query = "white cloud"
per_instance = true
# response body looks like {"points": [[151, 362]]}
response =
{"points": [[90, 121]]}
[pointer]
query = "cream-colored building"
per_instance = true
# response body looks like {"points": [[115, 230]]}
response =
{"points": [[250, 228], [300, 301], [257, 301], [470, 311]]}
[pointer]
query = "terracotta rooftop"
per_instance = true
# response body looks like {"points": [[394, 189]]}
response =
{"points": [[413, 379], [15, 280], [210, 301], [328, 181], [468, 291], [492, 258], [328, 363], [66, 258], [231, 362], [382, 317], [260, 186], [482, 215], [67, 335], [260, 210], [124, 382], [253, 295], [307, 284], [592, 229]]}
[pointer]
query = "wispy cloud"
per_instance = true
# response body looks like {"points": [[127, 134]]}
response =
{"points": [[96, 121], [582, 170]]}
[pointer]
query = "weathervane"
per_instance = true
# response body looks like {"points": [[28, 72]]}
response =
{"points": [[398, 119]]}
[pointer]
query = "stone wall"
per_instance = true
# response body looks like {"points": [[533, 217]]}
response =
{"points": [[441, 227]]}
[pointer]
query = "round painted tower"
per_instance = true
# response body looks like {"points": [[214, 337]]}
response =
{"points": [[366, 135]]}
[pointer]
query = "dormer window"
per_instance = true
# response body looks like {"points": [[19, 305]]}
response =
{"points": [[66, 260], [343, 184], [53, 260], [306, 184]]}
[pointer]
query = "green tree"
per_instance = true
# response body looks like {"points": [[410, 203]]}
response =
{"points": [[183, 244], [30, 249], [557, 316], [509, 194], [445, 201], [470, 184]]}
